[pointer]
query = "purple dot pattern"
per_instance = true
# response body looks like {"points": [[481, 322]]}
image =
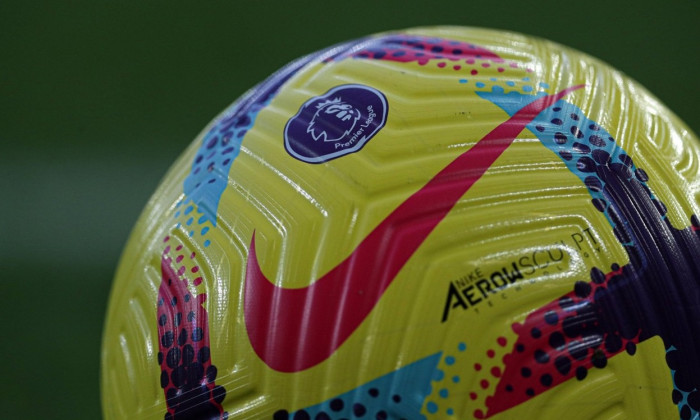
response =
{"points": [[663, 267], [221, 145], [397, 395], [583, 146], [685, 395]]}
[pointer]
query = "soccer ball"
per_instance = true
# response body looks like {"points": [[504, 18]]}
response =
{"points": [[433, 223]]}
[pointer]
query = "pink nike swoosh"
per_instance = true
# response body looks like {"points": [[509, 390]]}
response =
{"points": [[295, 329]]}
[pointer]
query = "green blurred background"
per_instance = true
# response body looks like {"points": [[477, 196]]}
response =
{"points": [[97, 98]]}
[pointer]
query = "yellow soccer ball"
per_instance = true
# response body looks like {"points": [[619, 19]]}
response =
{"points": [[436, 223]]}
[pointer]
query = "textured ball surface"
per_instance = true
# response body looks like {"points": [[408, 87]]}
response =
{"points": [[434, 223]]}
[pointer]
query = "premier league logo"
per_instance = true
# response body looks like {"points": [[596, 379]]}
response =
{"points": [[335, 124], [331, 118]]}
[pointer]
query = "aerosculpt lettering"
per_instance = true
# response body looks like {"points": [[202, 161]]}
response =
{"points": [[453, 295]]}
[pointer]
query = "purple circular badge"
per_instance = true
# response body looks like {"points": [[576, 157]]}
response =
{"points": [[334, 124]]}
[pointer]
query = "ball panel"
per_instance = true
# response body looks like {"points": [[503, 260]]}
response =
{"points": [[544, 223]]}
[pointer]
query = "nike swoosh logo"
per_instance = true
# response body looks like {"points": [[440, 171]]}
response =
{"points": [[294, 329]]}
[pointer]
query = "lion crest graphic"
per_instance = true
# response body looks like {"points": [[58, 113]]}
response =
{"points": [[333, 120]]}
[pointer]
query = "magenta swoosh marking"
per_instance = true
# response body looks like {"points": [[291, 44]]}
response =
{"points": [[294, 329]]}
